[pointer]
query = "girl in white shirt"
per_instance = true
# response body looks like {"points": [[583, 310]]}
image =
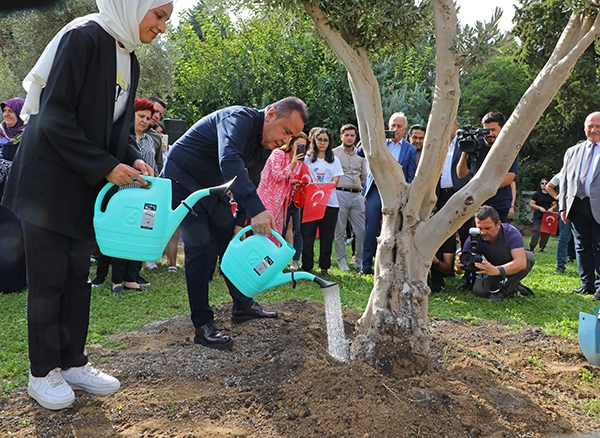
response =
{"points": [[324, 167]]}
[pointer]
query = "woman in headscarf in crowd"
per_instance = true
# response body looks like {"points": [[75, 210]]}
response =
{"points": [[11, 129], [12, 248], [80, 99]]}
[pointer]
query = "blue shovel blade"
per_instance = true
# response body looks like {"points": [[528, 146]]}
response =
{"points": [[589, 336]]}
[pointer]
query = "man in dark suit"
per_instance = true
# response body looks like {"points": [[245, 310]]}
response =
{"points": [[232, 142], [579, 202], [406, 155]]}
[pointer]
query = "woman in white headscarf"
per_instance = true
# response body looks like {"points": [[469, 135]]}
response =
{"points": [[80, 102]]}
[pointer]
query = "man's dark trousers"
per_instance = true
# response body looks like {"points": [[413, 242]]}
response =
{"points": [[586, 232], [214, 220], [372, 226], [484, 284]]}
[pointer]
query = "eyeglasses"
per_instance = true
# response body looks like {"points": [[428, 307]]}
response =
{"points": [[323, 140]]}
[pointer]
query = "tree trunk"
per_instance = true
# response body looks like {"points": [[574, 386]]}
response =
{"points": [[393, 329], [392, 333]]}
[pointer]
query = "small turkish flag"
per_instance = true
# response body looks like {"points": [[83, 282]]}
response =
{"points": [[301, 176], [549, 222], [316, 196]]}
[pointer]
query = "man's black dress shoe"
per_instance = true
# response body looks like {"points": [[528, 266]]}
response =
{"points": [[253, 312], [366, 271], [210, 336], [584, 291]]}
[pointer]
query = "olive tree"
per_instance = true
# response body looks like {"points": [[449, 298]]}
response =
{"points": [[393, 329]]}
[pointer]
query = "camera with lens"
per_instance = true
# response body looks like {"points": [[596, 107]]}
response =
{"points": [[471, 140], [469, 258]]}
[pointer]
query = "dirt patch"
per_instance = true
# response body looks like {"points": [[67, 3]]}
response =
{"points": [[279, 381]]}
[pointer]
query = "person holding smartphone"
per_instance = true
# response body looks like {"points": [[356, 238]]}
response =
{"points": [[275, 187]]}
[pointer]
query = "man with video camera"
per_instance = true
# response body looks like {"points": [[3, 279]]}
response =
{"points": [[496, 253], [475, 146]]}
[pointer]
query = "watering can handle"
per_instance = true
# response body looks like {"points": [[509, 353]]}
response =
{"points": [[244, 230], [106, 188]]}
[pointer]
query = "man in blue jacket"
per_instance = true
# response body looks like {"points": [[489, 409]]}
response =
{"points": [[232, 142], [406, 154]]}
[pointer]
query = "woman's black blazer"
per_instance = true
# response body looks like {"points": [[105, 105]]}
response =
{"points": [[72, 144]]}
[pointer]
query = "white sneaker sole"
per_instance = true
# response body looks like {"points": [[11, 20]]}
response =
{"points": [[53, 406], [107, 390]]}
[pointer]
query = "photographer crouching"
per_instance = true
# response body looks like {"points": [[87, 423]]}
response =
{"points": [[496, 253]]}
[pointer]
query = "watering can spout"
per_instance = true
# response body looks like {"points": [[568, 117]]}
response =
{"points": [[308, 276], [324, 283], [292, 277], [187, 204], [222, 189]]}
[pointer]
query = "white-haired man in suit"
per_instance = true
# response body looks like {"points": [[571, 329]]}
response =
{"points": [[579, 202]]}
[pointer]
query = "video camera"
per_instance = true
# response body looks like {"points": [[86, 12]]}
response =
{"points": [[468, 259], [471, 140]]}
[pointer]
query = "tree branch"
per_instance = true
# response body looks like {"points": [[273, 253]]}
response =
{"points": [[440, 127], [367, 103], [516, 130]]}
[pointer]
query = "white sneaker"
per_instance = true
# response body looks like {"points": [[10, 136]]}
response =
{"points": [[151, 265], [52, 392], [294, 266], [91, 380]]}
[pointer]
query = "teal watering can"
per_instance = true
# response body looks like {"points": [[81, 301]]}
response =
{"points": [[256, 263], [137, 223], [589, 336]]}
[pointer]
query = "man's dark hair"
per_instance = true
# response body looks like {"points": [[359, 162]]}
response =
{"points": [[348, 127], [158, 100], [494, 117], [288, 105], [486, 211], [416, 127]]}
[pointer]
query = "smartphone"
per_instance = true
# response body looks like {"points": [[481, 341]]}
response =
{"points": [[165, 139], [300, 149]]}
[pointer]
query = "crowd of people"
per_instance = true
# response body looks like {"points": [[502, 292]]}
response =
{"points": [[69, 148]]}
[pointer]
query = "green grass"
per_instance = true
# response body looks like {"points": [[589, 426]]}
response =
{"points": [[554, 309]]}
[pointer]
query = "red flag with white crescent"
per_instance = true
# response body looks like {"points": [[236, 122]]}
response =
{"points": [[301, 177], [316, 196]]}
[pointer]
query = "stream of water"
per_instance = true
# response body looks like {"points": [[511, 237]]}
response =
{"points": [[337, 343]]}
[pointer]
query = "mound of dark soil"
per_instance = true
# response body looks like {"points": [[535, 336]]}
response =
{"points": [[279, 381]]}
